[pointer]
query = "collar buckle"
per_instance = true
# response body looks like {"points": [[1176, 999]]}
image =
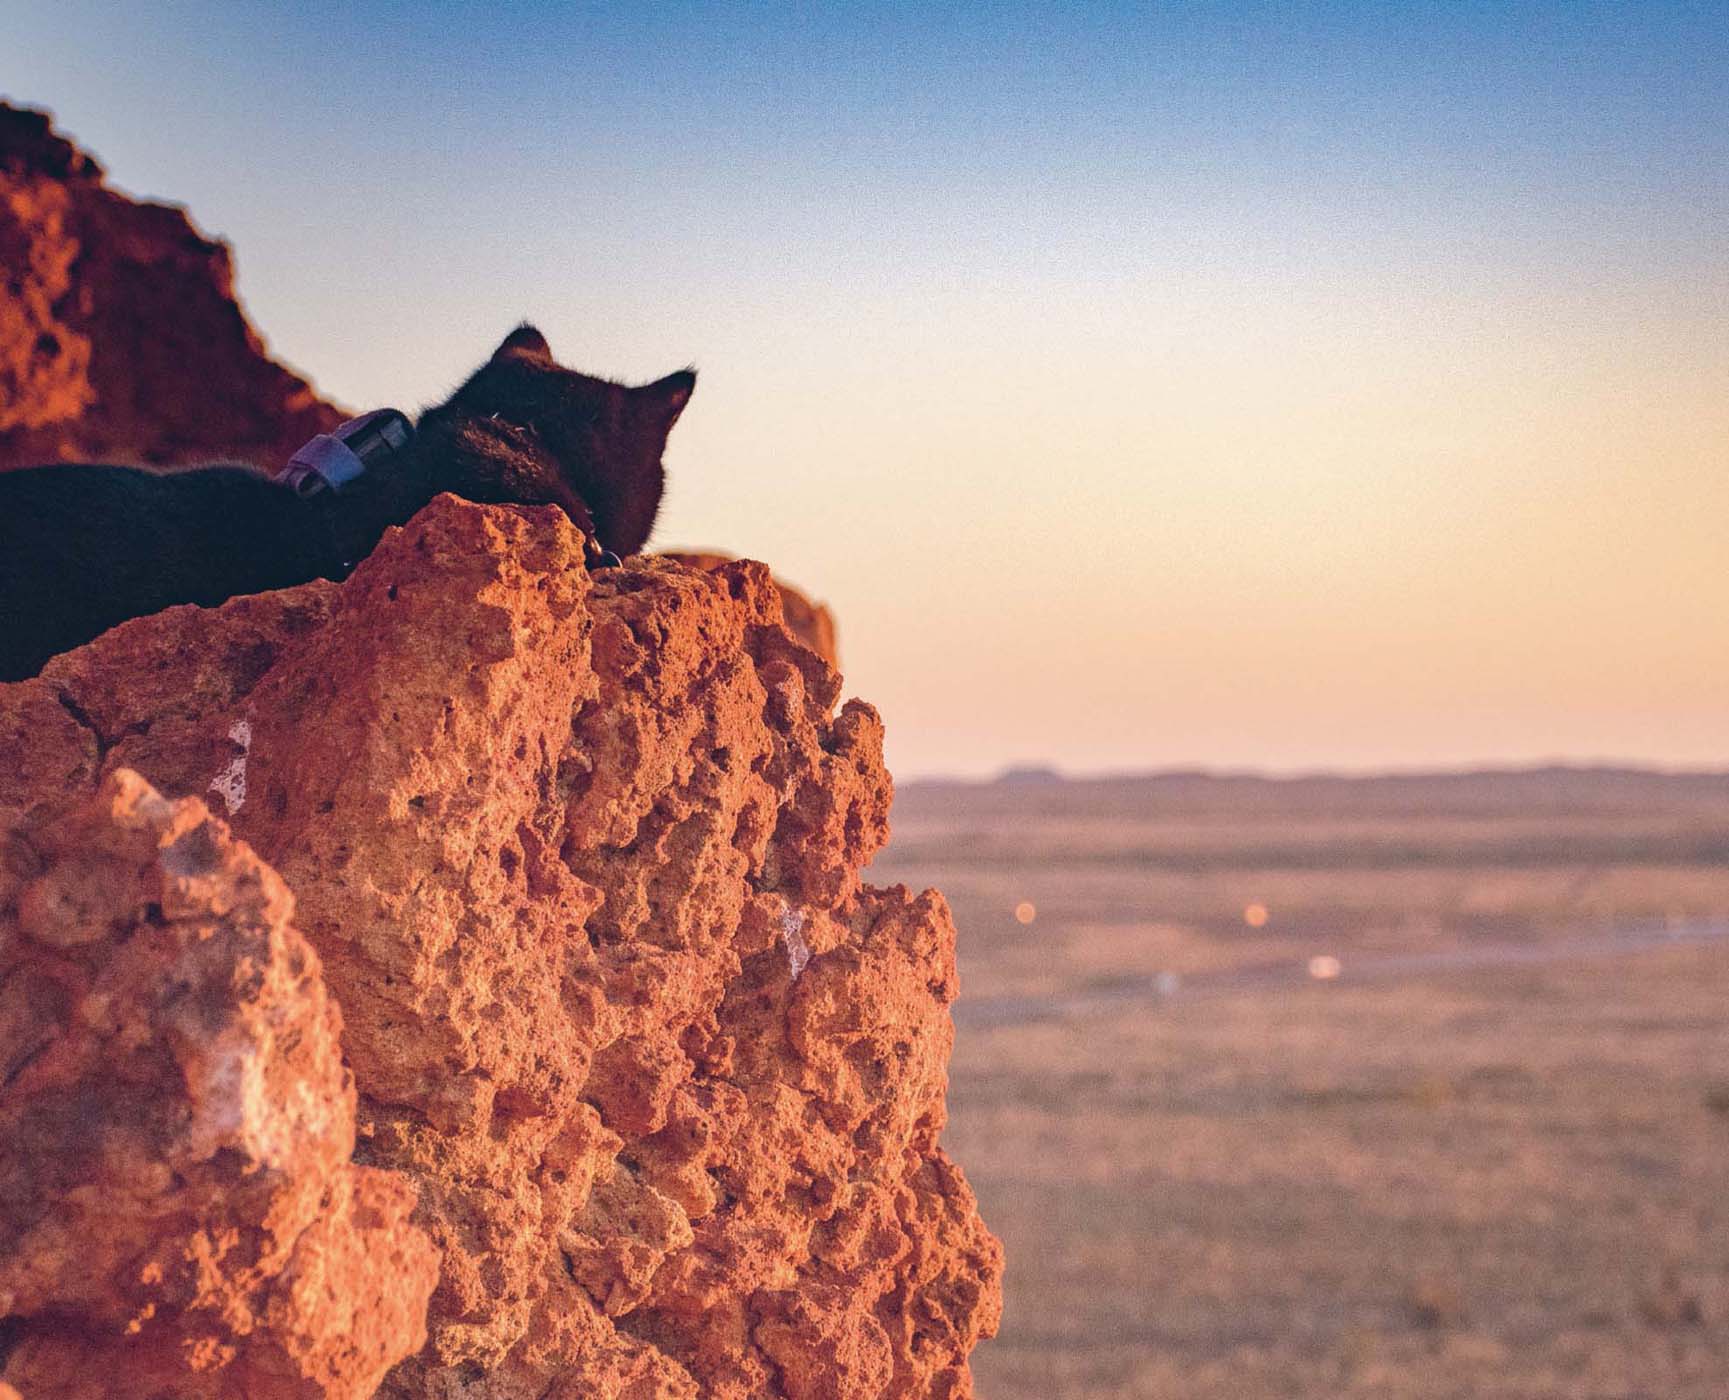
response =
{"points": [[331, 460]]}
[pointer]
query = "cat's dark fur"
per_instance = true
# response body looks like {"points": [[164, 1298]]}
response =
{"points": [[83, 548]]}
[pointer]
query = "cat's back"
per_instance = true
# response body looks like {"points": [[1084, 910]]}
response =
{"points": [[56, 518], [84, 547], [82, 493]]}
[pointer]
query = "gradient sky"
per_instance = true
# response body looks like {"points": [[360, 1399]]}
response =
{"points": [[1276, 385]]}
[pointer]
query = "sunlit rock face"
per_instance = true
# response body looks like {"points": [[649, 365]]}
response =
{"points": [[811, 622], [180, 1212], [574, 864], [120, 336]]}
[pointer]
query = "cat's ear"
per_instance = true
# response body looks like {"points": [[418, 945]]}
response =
{"points": [[668, 396], [524, 340]]}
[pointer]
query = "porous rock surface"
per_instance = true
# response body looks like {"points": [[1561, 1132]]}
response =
{"points": [[120, 336], [177, 1190], [577, 857], [811, 622]]}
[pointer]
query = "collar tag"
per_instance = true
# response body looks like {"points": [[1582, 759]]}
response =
{"points": [[331, 460]]}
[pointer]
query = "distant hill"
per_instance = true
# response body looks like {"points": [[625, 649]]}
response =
{"points": [[1030, 773], [1553, 788]]}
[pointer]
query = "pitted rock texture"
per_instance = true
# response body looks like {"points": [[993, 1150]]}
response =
{"points": [[579, 856], [120, 336], [179, 1211], [812, 623]]}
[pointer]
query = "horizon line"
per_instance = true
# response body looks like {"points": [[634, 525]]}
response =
{"points": [[1036, 773]]}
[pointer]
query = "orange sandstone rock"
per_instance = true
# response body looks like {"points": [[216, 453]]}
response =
{"points": [[178, 1204], [812, 623], [579, 857], [120, 336]]}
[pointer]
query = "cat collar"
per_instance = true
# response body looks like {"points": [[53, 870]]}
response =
{"points": [[331, 460]]}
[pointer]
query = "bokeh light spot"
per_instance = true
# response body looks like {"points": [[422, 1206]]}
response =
{"points": [[1255, 916], [1323, 968]]}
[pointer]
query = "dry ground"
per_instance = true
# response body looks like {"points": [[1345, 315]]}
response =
{"points": [[1498, 1180]]}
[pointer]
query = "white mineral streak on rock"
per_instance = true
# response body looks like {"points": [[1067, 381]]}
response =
{"points": [[792, 935], [230, 783], [237, 1106]]}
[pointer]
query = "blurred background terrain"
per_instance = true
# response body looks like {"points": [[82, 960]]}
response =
{"points": [[1403, 1087]]}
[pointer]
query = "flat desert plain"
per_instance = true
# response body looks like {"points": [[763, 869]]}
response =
{"points": [[1394, 1087]]}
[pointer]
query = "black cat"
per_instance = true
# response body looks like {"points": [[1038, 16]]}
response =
{"points": [[83, 548]]}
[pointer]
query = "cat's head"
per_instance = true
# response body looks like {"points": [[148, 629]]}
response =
{"points": [[525, 429]]}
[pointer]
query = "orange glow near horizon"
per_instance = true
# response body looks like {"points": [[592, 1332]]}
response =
{"points": [[1358, 550]]}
